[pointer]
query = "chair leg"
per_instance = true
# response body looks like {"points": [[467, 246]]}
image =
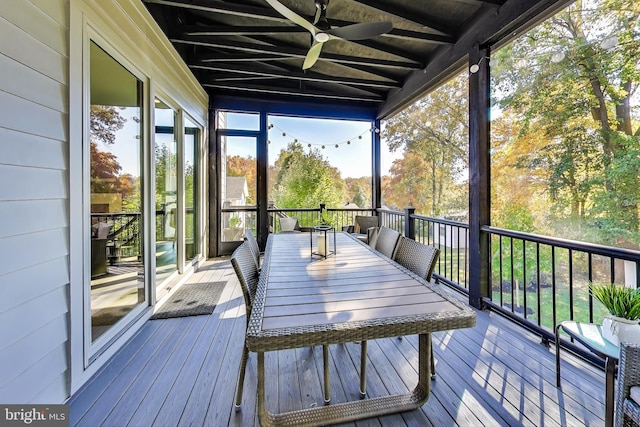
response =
{"points": [[327, 385], [243, 367], [363, 369], [433, 363]]}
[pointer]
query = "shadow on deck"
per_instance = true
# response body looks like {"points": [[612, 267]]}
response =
{"points": [[183, 372]]}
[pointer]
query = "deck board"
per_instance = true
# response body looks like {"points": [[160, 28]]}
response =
{"points": [[184, 371]]}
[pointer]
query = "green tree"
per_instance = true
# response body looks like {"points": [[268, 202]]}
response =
{"points": [[306, 179], [433, 134], [572, 80]]}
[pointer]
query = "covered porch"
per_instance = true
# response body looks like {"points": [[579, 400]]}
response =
{"points": [[183, 371]]}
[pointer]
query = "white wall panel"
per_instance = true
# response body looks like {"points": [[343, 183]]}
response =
{"points": [[23, 285], [31, 249], [31, 183], [30, 51], [25, 116], [27, 83], [33, 20], [42, 152]]}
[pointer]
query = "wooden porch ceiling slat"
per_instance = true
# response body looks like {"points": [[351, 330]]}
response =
{"points": [[427, 45], [297, 53], [311, 77]]}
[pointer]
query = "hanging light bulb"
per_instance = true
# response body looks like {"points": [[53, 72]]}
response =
{"points": [[557, 57]]}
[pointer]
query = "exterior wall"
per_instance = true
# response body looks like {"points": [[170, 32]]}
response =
{"points": [[34, 243], [127, 32], [43, 277]]}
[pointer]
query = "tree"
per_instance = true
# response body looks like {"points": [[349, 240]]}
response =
{"points": [[433, 135], [306, 179], [570, 82], [105, 173]]}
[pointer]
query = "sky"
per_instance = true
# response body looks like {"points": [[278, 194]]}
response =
{"points": [[352, 156]]}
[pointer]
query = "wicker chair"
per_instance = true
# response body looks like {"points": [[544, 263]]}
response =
{"points": [[362, 225], [417, 257], [628, 388], [253, 245], [420, 259], [245, 267], [289, 225], [387, 241]]}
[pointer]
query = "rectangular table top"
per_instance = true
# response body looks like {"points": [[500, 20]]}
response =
{"points": [[356, 294]]}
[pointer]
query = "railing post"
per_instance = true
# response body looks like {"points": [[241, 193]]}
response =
{"points": [[323, 207], [409, 222]]}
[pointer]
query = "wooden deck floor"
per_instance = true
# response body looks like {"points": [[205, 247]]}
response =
{"points": [[183, 371]]}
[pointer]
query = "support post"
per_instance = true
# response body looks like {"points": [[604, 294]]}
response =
{"points": [[409, 222], [479, 176]]}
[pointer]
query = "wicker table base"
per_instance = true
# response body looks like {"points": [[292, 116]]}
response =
{"points": [[354, 410]]}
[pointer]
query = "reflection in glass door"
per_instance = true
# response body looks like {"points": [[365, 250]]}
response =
{"points": [[191, 138], [166, 201], [117, 283]]}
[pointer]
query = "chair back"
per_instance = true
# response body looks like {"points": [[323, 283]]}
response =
{"points": [[247, 272], [417, 257], [363, 223], [372, 236], [253, 245], [387, 241], [289, 224]]}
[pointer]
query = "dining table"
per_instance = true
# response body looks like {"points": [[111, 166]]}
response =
{"points": [[354, 295]]}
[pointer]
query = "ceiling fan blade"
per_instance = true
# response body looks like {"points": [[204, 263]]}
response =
{"points": [[312, 55], [362, 31], [316, 18], [292, 16]]}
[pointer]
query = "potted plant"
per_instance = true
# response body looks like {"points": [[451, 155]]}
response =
{"points": [[623, 304]]}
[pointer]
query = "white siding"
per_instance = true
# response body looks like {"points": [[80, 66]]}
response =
{"points": [[34, 243]]}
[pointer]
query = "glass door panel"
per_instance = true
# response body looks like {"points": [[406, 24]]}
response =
{"points": [[239, 187], [191, 138], [166, 192], [117, 283]]}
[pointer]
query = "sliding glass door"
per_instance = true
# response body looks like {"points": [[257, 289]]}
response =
{"points": [[115, 218], [166, 197]]}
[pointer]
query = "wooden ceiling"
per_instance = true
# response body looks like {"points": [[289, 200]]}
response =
{"points": [[246, 49]]}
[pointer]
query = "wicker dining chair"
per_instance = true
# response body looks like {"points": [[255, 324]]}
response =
{"points": [[289, 225], [362, 224], [387, 241], [246, 270], [628, 387], [420, 259], [253, 245], [245, 267]]}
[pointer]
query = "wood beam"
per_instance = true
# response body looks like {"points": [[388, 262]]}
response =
{"points": [[387, 8], [294, 93], [216, 6]]}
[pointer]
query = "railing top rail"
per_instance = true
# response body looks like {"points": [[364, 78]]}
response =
{"points": [[293, 210], [609, 251], [441, 220]]}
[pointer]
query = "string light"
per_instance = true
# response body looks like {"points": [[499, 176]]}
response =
{"points": [[322, 146]]}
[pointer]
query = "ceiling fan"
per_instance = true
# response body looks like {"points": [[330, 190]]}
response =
{"points": [[322, 32]]}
